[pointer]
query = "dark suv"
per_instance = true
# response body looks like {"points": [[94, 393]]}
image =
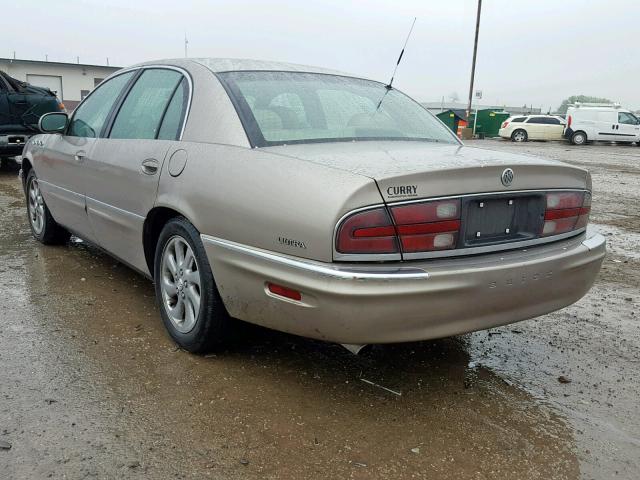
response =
{"points": [[21, 106]]}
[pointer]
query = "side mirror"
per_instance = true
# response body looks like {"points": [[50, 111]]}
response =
{"points": [[54, 122]]}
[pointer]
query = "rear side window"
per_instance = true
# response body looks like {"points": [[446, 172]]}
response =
{"points": [[519, 119], [553, 121], [142, 111], [542, 120], [90, 116], [174, 116]]}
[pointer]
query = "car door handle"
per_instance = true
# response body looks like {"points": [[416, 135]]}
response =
{"points": [[149, 166], [79, 156]]}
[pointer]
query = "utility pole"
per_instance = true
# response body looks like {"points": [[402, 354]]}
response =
{"points": [[186, 42], [473, 64]]}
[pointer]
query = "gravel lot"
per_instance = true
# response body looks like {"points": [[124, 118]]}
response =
{"points": [[92, 387]]}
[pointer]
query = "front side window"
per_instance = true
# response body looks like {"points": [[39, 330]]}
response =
{"points": [[278, 108], [627, 118], [90, 116], [142, 111]]}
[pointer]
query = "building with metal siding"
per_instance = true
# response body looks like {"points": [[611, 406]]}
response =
{"points": [[70, 81]]}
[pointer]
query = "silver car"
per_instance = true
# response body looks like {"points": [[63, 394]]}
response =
{"points": [[308, 201]]}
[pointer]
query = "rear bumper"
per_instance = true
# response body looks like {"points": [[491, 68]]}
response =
{"points": [[504, 133], [403, 301]]}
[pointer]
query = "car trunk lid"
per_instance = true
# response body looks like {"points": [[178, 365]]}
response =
{"points": [[415, 170], [450, 197]]}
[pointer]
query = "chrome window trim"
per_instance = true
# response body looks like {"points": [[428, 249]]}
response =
{"points": [[354, 257], [329, 270], [184, 73]]}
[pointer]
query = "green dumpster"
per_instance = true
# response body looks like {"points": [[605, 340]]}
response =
{"points": [[451, 118], [489, 122]]}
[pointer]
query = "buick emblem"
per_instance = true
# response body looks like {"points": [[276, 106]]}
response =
{"points": [[507, 177]]}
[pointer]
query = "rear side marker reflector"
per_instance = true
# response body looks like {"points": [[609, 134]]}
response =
{"points": [[284, 292]]}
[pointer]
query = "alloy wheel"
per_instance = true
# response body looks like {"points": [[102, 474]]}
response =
{"points": [[519, 136], [180, 284], [36, 207]]}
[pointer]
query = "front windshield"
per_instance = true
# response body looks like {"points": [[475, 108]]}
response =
{"points": [[279, 108]]}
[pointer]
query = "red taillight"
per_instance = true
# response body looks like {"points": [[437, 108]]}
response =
{"points": [[569, 119], [426, 212], [505, 124], [428, 226], [417, 227], [367, 232], [284, 291], [565, 212]]}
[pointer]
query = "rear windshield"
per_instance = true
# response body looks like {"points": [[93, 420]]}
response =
{"points": [[279, 108]]}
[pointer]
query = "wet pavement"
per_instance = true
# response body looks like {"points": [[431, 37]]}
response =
{"points": [[92, 387]]}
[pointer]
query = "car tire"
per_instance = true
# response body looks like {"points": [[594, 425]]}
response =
{"points": [[579, 138], [519, 136], [43, 227], [190, 304]]}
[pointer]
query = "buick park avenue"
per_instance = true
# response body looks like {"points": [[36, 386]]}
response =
{"points": [[307, 201]]}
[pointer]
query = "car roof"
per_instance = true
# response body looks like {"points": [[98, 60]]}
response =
{"points": [[524, 115], [598, 109], [219, 65]]}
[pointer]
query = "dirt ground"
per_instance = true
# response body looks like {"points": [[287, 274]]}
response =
{"points": [[92, 387]]}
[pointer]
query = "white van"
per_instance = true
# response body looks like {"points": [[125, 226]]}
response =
{"points": [[602, 122]]}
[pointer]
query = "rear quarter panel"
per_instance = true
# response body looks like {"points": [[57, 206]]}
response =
{"points": [[262, 199]]}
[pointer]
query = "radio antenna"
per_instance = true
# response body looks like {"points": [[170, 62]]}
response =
{"points": [[389, 86]]}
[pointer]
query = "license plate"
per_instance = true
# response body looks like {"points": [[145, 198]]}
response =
{"points": [[502, 219]]}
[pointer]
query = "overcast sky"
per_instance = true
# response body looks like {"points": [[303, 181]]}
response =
{"points": [[531, 51]]}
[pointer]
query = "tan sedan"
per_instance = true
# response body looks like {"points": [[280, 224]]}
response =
{"points": [[307, 201]]}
